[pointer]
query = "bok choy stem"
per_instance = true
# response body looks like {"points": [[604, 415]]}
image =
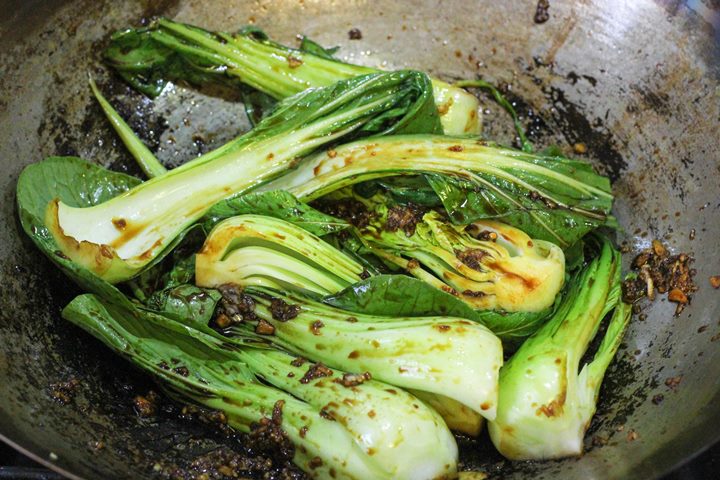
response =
{"points": [[119, 238], [168, 50], [362, 432]]}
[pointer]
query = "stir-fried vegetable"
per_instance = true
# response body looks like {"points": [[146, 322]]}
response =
{"points": [[549, 198], [119, 238], [365, 431], [168, 50], [488, 264], [393, 266], [253, 250], [441, 355], [546, 399], [265, 251], [503, 269]]}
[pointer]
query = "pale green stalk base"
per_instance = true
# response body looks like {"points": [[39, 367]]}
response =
{"points": [[448, 356], [545, 405], [255, 250]]}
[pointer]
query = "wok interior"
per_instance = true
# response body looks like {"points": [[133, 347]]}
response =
{"points": [[636, 82]]}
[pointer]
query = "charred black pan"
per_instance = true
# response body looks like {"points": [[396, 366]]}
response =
{"points": [[637, 82]]}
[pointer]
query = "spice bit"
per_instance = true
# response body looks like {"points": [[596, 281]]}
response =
{"points": [[317, 370], [223, 321], [715, 281], [673, 382], [146, 406], [541, 11], [660, 272], [676, 295], [264, 327], [298, 362], [294, 62], [659, 248], [283, 311], [353, 379], [316, 326]]}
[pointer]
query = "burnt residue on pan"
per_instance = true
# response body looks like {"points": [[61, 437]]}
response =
{"points": [[558, 122]]}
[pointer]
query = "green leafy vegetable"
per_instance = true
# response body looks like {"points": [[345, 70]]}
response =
{"points": [[400, 439], [549, 198], [445, 356], [399, 295], [488, 265], [265, 251], [546, 399], [77, 183], [122, 236], [277, 204], [147, 57]]}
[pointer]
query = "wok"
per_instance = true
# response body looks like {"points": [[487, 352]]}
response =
{"points": [[637, 82]]}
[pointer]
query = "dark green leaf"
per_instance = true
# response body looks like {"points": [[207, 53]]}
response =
{"points": [[188, 304], [403, 104], [400, 295], [513, 328], [277, 204], [415, 113], [513, 203], [310, 46], [148, 64], [575, 256], [406, 189]]}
